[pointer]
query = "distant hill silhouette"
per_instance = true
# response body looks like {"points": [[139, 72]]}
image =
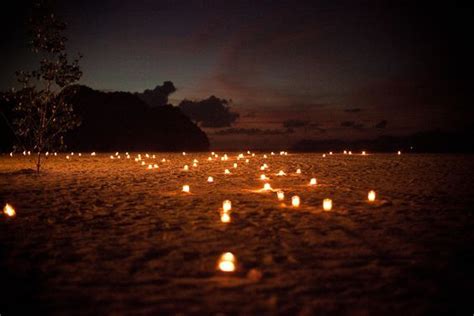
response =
{"points": [[423, 142], [116, 121]]}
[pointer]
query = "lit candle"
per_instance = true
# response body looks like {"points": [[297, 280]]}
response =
{"points": [[209, 158], [399, 152], [363, 153], [281, 173], [186, 188], [312, 181], [227, 262], [324, 155], [295, 201], [210, 179], [263, 177], [235, 165], [246, 161], [143, 163], [67, 157], [185, 168], [281, 195], [195, 164], [226, 171], [150, 166], [184, 153], [371, 196], [327, 204], [226, 206], [9, 210], [267, 186], [298, 171], [155, 166], [330, 152], [225, 218]]}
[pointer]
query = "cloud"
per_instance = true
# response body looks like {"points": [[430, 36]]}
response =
{"points": [[254, 131], [159, 95], [211, 112], [381, 124]]}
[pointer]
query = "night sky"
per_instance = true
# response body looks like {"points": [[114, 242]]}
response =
{"points": [[323, 69]]}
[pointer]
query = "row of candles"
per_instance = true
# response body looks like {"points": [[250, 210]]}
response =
{"points": [[227, 261]]}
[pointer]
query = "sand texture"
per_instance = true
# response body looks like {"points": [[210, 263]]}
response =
{"points": [[94, 235]]}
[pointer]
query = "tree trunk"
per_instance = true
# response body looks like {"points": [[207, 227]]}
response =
{"points": [[38, 163]]}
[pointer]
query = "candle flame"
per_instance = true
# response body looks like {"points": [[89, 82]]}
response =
{"points": [[210, 179], [9, 210], [186, 188], [295, 201], [371, 196], [327, 204], [312, 181], [226, 206], [281, 195]]}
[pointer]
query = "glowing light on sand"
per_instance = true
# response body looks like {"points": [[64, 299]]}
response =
{"points": [[146, 155], [313, 181], [24, 153], [47, 153], [11, 154], [185, 168], [195, 160], [210, 179], [264, 156], [281, 173], [298, 171], [235, 165], [253, 155], [213, 153], [209, 158], [363, 153], [67, 157], [327, 204], [399, 153], [9, 210], [195, 164], [280, 195], [184, 153], [93, 153], [330, 152], [247, 161], [225, 218], [226, 206], [155, 166], [163, 160], [55, 154], [267, 187], [186, 188], [371, 196], [350, 152], [272, 153], [226, 171], [324, 155], [295, 201], [150, 166], [227, 262], [263, 177]]}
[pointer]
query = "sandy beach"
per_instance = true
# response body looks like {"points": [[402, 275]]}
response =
{"points": [[95, 235]]}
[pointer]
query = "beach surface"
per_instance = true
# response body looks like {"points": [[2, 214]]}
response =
{"points": [[95, 235]]}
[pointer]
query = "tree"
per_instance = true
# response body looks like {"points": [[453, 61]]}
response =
{"points": [[41, 113]]}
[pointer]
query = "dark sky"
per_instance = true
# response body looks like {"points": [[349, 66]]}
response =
{"points": [[331, 69]]}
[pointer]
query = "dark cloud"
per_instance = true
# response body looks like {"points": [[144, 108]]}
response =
{"points": [[254, 131], [211, 112], [353, 110], [295, 123], [353, 124], [381, 124], [159, 95]]}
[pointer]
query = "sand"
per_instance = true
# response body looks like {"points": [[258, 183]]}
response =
{"points": [[99, 236]]}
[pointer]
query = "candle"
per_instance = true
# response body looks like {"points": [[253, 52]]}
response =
{"points": [[226, 206], [225, 218], [399, 152], [267, 186], [281, 173], [227, 262], [226, 171], [263, 177], [195, 164], [312, 181], [186, 188], [150, 166], [327, 204], [295, 201], [210, 179], [324, 155], [298, 171], [371, 196], [235, 165], [281, 195], [185, 168], [363, 153], [155, 166], [143, 163], [9, 210]]}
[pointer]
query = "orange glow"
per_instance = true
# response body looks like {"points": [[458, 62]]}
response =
{"points": [[186, 188], [235, 165], [371, 196], [298, 171], [327, 204], [185, 168], [227, 262], [267, 186], [210, 179], [226, 171], [9, 210], [295, 201], [226, 206], [281, 195], [225, 218], [399, 153], [263, 177], [312, 181], [281, 173]]}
